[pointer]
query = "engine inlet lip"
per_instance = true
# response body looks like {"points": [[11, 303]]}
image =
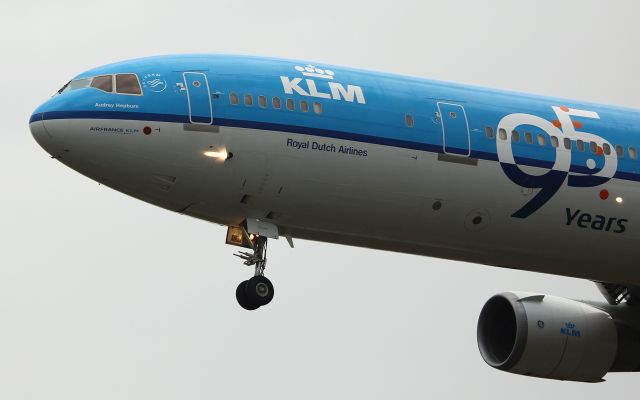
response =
{"points": [[518, 342]]}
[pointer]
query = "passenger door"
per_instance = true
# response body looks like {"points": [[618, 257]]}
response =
{"points": [[455, 129], [198, 97]]}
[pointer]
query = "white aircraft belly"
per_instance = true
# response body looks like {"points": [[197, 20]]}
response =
{"points": [[387, 199]]}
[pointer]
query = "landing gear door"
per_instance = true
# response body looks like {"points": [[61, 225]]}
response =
{"points": [[455, 129], [198, 98]]}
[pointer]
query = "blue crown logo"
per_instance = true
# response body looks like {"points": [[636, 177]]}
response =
{"points": [[315, 72]]}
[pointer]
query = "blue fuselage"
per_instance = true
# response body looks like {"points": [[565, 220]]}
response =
{"points": [[377, 116], [513, 154]]}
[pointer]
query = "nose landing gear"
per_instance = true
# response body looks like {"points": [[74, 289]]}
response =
{"points": [[257, 291]]}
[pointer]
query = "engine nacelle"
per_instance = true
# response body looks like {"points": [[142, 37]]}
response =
{"points": [[547, 337]]}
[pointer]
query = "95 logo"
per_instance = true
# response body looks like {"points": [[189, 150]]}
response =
{"points": [[551, 181]]}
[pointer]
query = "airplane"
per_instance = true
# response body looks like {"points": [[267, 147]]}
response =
{"points": [[276, 148]]}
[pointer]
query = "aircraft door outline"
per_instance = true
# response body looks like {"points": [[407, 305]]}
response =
{"points": [[456, 138], [198, 98]]}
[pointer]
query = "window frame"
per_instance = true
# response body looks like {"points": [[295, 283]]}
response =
{"points": [[262, 101], [515, 136], [542, 140], [290, 104], [277, 99], [489, 132], [115, 84], [409, 121], [528, 137], [69, 86]]}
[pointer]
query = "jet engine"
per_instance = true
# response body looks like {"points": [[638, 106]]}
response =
{"points": [[556, 338]]}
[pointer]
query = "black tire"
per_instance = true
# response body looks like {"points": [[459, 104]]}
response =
{"points": [[259, 290], [243, 299]]}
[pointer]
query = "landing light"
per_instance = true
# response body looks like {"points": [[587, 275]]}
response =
{"points": [[220, 155], [619, 200]]}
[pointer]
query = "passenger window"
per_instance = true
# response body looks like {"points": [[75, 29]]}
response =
{"points": [[277, 104], [248, 100], [291, 106], [620, 151], [606, 148], [128, 84], [408, 120], [593, 146], [262, 101], [633, 153], [515, 136], [304, 106], [233, 98], [528, 137], [580, 144], [317, 107], [103, 82], [567, 143], [542, 139], [503, 134], [554, 141], [490, 132]]}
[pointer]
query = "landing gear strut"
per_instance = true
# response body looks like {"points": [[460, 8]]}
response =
{"points": [[257, 291]]}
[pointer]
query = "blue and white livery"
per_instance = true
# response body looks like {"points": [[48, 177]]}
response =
{"points": [[271, 147]]}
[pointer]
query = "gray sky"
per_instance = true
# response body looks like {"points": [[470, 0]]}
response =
{"points": [[105, 297]]}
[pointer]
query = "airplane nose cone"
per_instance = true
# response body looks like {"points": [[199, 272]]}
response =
{"points": [[42, 136], [39, 133]]}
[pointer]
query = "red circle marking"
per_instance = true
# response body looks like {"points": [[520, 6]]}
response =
{"points": [[604, 194], [147, 130], [557, 124], [564, 108], [577, 124], [600, 152]]}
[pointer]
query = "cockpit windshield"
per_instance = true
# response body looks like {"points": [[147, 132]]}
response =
{"points": [[128, 84], [103, 82], [78, 84], [123, 84]]}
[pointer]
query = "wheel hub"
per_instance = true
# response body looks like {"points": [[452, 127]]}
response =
{"points": [[262, 289]]}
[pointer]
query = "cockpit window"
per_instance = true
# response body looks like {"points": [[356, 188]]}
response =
{"points": [[77, 84], [128, 84], [124, 84], [103, 82]]}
